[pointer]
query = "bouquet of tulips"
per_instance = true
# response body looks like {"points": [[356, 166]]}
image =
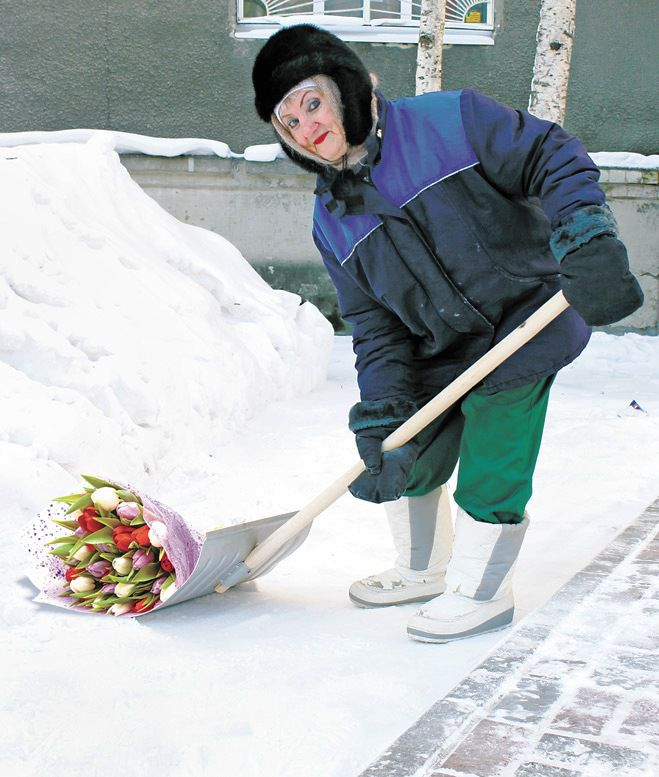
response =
{"points": [[122, 553]]}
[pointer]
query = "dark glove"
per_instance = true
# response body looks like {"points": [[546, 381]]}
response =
{"points": [[387, 473], [597, 282]]}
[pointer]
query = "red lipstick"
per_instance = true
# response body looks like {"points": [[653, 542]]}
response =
{"points": [[320, 138]]}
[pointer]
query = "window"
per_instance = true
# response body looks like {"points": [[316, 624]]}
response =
{"points": [[387, 21]]}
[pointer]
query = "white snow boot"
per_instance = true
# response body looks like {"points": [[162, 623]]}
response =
{"points": [[479, 594], [422, 531]]}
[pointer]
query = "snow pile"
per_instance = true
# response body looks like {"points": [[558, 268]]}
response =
{"points": [[124, 142], [129, 342], [626, 160]]}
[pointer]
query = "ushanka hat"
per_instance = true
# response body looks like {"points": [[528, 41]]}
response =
{"points": [[299, 52]]}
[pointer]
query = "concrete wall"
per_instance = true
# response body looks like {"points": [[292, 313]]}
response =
{"points": [[265, 209], [171, 68]]}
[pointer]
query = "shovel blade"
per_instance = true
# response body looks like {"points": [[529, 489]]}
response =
{"points": [[226, 547]]}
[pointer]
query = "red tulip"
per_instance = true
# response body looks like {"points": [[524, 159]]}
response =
{"points": [[143, 605], [72, 573], [166, 564], [141, 536], [122, 536]]}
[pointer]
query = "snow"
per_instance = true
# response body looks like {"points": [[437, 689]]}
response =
{"points": [[123, 142], [221, 410], [131, 143], [626, 160], [128, 340]]}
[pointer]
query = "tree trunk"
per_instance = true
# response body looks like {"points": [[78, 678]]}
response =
{"points": [[551, 69], [429, 55]]}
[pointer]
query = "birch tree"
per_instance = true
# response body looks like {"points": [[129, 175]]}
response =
{"points": [[551, 69], [429, 55]]}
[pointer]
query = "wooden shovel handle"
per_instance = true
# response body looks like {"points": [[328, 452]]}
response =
{"points": [[458, 388]]}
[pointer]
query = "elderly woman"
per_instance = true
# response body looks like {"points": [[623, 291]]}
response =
{"points": [[444, 220]]}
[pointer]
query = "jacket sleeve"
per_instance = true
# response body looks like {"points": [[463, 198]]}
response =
{"points": [[524, 156], [381, 342]]}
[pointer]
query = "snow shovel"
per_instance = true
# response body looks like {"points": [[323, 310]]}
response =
{"points": [[235, 554]]}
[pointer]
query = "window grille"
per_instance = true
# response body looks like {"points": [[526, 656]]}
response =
{"points": [[398, 18]]}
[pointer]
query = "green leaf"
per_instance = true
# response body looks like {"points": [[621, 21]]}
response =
{"points": [[137, 521], [80, 504], [108, 556], [108, 520], [102, 535], [128, 496], [71, 525], [105, 603], [97, 482], [70, 539], [61, 551], [148, 572], [69, 500]]}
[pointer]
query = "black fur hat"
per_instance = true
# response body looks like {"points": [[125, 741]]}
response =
{"points": [[301, 51]]}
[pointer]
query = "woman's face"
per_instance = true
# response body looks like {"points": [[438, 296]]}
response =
{"points": [[312, 121]]}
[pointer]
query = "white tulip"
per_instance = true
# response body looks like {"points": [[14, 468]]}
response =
{"points": [[83, 553], [82, 584], [75, 515], [122, 565], [157, 534], [167, 593], [120, 609], [124, 589], [106, 498]]}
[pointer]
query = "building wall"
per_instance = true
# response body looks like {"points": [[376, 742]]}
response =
{"points": [[173, 69], [265, 210]]}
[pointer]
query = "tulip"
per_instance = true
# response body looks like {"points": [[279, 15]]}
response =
{"points": [[124, 589], [120, 609], [158, 584], [80, 532], [83, 583], [103, 547], [72, 572], [141, 558], [143, 605], [84, 553], [167, 593], [128, 510], [141, 536], [99, 568], [106, 498], [157, 534], [88, 520], [122, 565], [122, 537], [108, 588], [166, 564]]}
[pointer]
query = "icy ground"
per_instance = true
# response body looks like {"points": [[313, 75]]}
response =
{"points": [[283, 677], [221, 410]]}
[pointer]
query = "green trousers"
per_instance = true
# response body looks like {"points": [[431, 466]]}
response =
{"points": [[496, 438]]}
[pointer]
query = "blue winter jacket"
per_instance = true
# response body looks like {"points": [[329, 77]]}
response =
{"points": [[439, 247]]}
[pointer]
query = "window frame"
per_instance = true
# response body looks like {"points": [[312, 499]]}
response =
{"points": [[351, 30]]}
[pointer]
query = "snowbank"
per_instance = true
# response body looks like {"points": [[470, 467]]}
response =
{"points": [[129, 342]]}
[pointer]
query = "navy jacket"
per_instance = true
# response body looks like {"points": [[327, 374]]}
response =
{"points": [[439, 247]]}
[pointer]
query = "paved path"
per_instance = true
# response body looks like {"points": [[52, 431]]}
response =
{"points": [[573, 692]]}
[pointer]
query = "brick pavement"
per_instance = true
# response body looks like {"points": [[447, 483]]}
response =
{"points": [[573, 692]]}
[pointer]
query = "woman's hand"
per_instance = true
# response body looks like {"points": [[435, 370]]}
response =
{"points": [[597, 282], [386, 473]]}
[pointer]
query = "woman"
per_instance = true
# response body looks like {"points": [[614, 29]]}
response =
{"points": [[444, 220]]}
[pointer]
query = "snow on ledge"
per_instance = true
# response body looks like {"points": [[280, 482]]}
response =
{"points": [[124, 142], [131, 143], [626, 160]]}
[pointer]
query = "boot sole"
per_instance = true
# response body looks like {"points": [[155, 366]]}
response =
{"points": [[499, 622], [365, 604]]}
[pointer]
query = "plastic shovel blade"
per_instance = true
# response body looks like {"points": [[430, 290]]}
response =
{"points": [[226, 547]]}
